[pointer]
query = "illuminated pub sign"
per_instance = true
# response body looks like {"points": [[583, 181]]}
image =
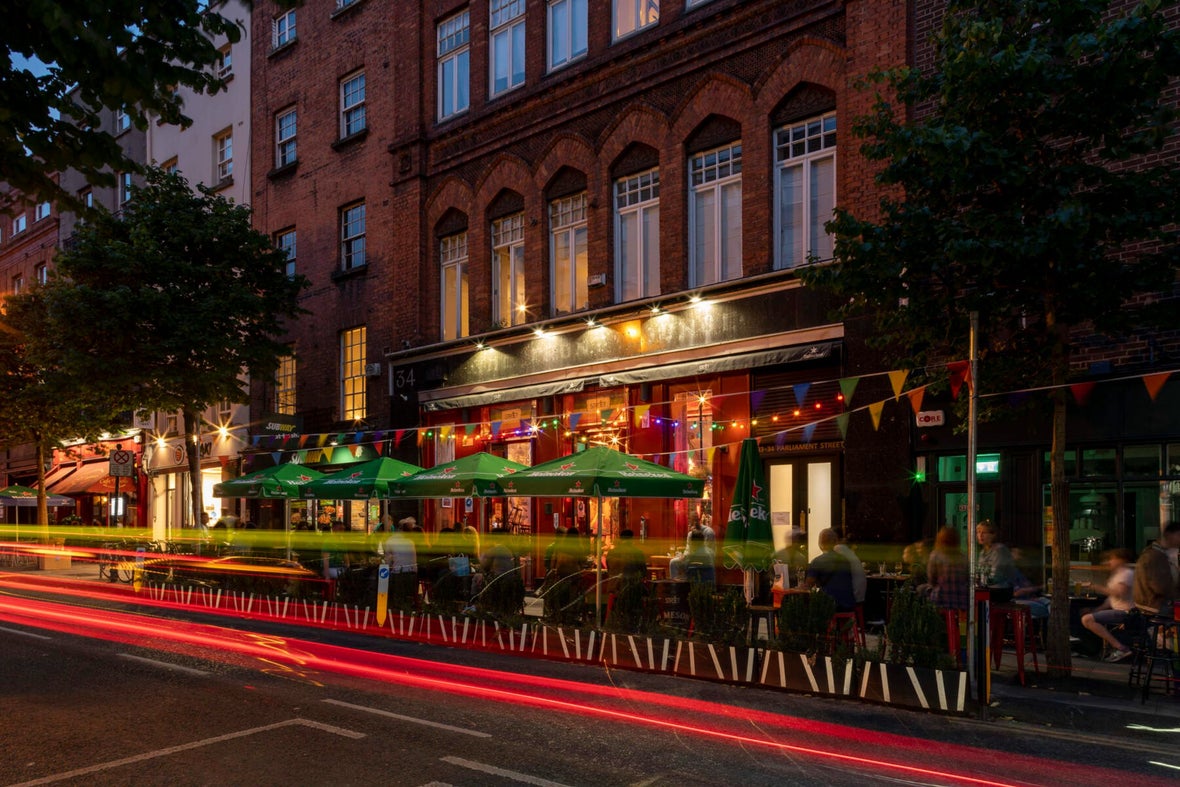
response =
{"points": [[954, 468]]}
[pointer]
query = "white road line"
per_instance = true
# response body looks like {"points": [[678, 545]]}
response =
{"points": [[165, 665], [411, 719], [1164, 765], [492, 769], [151, 755], [24, 633]]}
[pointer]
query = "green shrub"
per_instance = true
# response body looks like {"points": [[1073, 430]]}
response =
{"points": [[804, 623], [633, 610], [719, 618], [917, 632]]}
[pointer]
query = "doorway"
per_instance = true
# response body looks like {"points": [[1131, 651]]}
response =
{"points": [[804, 496]]}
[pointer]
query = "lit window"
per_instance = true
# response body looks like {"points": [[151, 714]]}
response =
{"points": [[637, 236], [86, 197], [18, 284], [20, 224], [282, 29], [284, 391], [631, 16], [715, 215], [223, 145], [285, 242], [507, 44], [41, 274], [225, 63], [352, 105], [567, 226], [508, 293], [285, 138], [352, 374], [42, 211], [122, 121], [352, 237], [454, 58], [567, 31], [171, 166], [805, 190], [453, 259]]}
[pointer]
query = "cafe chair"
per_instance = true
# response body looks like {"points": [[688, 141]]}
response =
{"points": [[1153, 645], [1016, 618]]}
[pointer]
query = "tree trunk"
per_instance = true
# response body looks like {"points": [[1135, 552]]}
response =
{"points": [[192, 452], [42, 495], [1057, 653]]}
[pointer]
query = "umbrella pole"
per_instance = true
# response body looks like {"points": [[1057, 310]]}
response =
{"points": [[598, 568], [287, 524]]}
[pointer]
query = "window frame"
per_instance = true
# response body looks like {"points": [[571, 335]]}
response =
{"points": [[353, 393], [823, 129], [224, 68], [567, 33], [290, 250], [283, 30], [568, 222], [641, 194], [508, 245], [41, 273], [18, 284], [501, 24], [42, 211], [286, 150], [453, 259], [122, 121], [223, 155], [453, 33], [352, 245], [637, 10], [350, 112], [20, 223], [285, 391], [708, 166]]}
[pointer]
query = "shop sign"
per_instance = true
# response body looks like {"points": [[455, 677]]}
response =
{"points": [[278, 424], [931, 418]]}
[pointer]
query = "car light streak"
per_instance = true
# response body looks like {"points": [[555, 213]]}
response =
{"points": [[306, 660]]}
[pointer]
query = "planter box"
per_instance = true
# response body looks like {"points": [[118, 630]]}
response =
{"points": [[514, 640], [915, 687], [636, 652], [556, 642], [811, 674], [716, 662]]}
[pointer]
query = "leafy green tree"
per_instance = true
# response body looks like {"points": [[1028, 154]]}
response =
{"points": [[170, 305], [119, 54], [1020, 184]]}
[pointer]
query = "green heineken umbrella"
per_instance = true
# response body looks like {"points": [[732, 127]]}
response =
{"points": [[277, 482], [477, 475], [602, 472], [24, 496], [363, 481], [748, 539]]}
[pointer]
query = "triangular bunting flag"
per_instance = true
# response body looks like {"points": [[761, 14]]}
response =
{"points": [[445, 431], [842, 424], [257, 440], [957, 370], [780, 439], [358, 451], [1155, 383], [224, 460], [327, 457], [277, 457], [848, 387], [875, 412], [641, 413], [496, 425], [756, 400], [379, 447], [323, 439], [357, 437], [604, 415], [303, 440], [340, 438], [916, 398], [397, 437], [801, 393], [468, 429], [897, 380], [1081, 391], [709, 456], [808, 431]]}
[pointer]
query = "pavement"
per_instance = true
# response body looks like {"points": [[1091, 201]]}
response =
{"points": [[1095, 699]]}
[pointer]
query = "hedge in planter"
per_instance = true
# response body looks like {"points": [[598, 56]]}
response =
{"points": [[805, 656], [717, 649]]}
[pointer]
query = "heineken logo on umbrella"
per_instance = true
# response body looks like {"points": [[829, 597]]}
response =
{"points": [[567, 466], [449, 471]]}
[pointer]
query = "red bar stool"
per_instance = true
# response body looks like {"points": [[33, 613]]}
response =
{"points": [[1019, 617], [845, 628], [954, 619]]}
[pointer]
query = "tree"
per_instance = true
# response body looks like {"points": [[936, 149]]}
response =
{"points": [[1019, 186], [169, 306], [117, 55]]}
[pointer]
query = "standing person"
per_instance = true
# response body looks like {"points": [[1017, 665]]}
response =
{"points": [[860, 582], [831, 572], [995, 563], [1119, 591], [1157, 577], [946, 572], [403, 563]]}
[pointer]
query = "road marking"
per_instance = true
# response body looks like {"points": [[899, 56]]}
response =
{"points": [[411, 719], [1164, 765], [24, 633], [151, 755], [165, 665], [492, 769]]}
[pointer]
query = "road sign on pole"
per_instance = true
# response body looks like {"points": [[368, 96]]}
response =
{"points": [[122, 463]]}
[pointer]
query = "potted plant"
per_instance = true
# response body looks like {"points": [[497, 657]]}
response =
{"points": [[807, 653], [912, 665], [630, 638], [718, 648]]}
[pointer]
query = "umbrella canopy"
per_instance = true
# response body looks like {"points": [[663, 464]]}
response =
{"points": [[748, 539], [602, 472], [24, 496], [277, 482], [366, 480], [477, 475]]}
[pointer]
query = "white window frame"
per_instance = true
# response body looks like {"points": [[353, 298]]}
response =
{"points": [[282, 29], [629, 17], [223, 155], [122, 121], [506, 45], [18, 284], [714, 247], [569, 264], [353, 117], [568, 26], [284, 390], [509, 307], [171, 166], [352, 374], [225, 62], [41, 273], [454, 313], [19, 224], [352, 236], [286, 131], [807, 150], [637, 258], [42, 211], [454, 65], [86, 196], [286, 242]]}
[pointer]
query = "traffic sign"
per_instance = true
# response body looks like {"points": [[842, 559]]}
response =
{"points": [[122, 463]]}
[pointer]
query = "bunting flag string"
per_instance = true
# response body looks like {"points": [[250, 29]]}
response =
{"points": [[897, 380], [1155, 383], [875, 413], [842, 424], [1081, 391], [848, 387], [801, 393], [959, 371], [916, 395]]}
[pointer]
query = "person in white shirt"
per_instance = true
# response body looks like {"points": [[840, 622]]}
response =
{"points": [[1118, 603], [403, 562], [860, 582]]}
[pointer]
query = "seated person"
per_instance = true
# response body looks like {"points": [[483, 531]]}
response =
{"points": [[1118, 604], [832, 573], [626, 560], [1026, 593], [699, 560]]}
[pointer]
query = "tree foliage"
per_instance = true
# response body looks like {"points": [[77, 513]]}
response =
{"points": [[170, 304], [120, 54], [1023, 183]]}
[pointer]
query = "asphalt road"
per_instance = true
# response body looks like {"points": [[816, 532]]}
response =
{"points": [[98, 695]]}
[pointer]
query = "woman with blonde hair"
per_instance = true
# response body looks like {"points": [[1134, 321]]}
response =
{"points": [[946, 572]]}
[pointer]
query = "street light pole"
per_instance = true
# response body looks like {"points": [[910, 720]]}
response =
{"points": [[972, 449]]}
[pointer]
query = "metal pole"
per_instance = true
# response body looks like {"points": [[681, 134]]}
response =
{"points": [[598, 569], [972, 426]]}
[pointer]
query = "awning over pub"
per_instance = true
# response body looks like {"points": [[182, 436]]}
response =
{"points": [[90, 477]]}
